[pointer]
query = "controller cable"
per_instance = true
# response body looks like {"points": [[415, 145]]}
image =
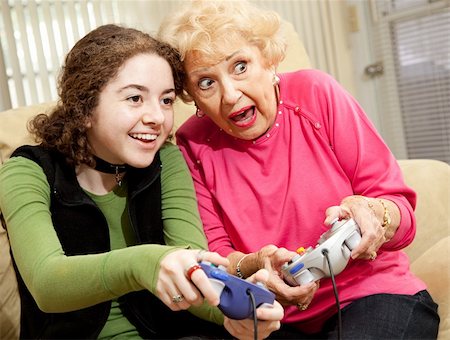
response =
{"points": [[338, 305], [255, 319]]}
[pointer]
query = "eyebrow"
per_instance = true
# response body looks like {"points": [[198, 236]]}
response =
{"points": [[232, 55], [202, 69], [133, 86], [142, 88]]}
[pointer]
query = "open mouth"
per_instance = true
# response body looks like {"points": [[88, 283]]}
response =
{"points": [[245, 117], [144, 137]]}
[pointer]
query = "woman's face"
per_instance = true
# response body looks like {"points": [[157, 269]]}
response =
{"points": [[134, 115], [237, 93]]}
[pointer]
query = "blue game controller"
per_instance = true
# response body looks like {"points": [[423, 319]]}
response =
{"points": [[235, 300]]}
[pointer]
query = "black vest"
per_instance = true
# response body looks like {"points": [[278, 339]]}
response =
{"points": [[82, 229]]}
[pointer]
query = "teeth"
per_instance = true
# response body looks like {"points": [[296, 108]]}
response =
{"points": [[144, 136]]}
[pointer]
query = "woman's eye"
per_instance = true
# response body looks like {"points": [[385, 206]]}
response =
{"points": [[205, 83], [240, 67], [135, 99]]}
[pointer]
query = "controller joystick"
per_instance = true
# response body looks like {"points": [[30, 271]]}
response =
{"points": [[234, 295], [311, 264]]}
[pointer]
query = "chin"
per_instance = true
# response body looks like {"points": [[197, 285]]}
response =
{"points": [[142, 162]]}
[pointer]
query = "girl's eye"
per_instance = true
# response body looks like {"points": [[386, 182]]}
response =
{"points": [[205, 83], [240, 67], [135, 99], [167, 101]]}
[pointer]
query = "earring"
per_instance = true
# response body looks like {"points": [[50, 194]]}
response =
{"points": [[199, 113], [275, 80]]}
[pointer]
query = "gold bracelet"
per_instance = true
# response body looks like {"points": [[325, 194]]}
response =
{"points": [[238, 267], [386, 216]]}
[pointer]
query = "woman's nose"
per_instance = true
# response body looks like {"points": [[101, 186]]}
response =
{"points": [[231, 92]]}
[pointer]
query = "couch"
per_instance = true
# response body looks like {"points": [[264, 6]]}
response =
{"points": [[429, 253]]}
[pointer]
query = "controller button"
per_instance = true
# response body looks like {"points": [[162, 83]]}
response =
{"points": [[220, 275], [300, 250], [296, 268]]}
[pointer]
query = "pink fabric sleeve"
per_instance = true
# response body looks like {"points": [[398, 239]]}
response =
{"points": [[365, 158]]}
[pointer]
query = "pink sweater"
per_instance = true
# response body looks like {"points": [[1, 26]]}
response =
{"points": [[275, 190]]}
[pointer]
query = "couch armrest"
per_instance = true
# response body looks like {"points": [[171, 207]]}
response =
{"points": [[431, 181], [429, 253], [9, 294]]}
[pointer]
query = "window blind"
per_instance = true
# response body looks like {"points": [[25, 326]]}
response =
{"points": [[414, 44], [422, 59], [32, 68], [36, 35]]}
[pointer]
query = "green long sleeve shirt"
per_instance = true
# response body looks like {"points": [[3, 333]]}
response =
{"points": [[62, 283]]}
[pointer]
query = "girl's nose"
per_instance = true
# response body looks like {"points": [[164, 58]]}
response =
{"points": [[153, 114]]}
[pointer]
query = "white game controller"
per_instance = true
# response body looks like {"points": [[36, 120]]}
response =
{"points": [[311, 264]]}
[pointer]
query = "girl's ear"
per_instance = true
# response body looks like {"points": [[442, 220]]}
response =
{"points": [[88, 122]]}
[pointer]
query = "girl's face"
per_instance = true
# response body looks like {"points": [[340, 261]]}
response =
{"points": [[134, 115], [237, 93]]}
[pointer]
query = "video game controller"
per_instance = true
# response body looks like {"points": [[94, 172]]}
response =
{"points": [[234, 295], [311, 264]]}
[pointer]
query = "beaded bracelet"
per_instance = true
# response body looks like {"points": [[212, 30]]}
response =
{"points": [[238, 267], [386, 216]]}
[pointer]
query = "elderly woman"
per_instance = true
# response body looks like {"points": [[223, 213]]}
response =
{"points": [[276, 158]]}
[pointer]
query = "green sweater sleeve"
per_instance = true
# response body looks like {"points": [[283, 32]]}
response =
{"points": [[182, 224], [62, 283]]}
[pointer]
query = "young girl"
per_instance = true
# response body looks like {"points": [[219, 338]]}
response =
{"points": [[102, 215]]}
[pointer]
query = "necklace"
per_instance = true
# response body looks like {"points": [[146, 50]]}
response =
{"points": [[108, 168]]}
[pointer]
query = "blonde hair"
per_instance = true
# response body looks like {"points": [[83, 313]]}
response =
{"points": [[208, 27]]}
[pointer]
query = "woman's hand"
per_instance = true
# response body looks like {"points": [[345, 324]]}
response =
{"points": [[268, 317], [174, 287], [368, 214], [272, 258]]}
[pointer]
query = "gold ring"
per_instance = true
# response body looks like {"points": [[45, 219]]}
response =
{"points": [[302, 306], [373, 255], [177, 298]]}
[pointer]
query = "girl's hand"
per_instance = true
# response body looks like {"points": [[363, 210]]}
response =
{"points": [[268, 317], [176, 290]]}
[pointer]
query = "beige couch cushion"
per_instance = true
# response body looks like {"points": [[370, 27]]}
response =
{"points": [[13, 127], [433, 268], [431, 180], [9, 295], [429, 253]]}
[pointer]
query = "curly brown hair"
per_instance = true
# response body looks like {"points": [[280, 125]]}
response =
{"points": [[89, 66]]}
